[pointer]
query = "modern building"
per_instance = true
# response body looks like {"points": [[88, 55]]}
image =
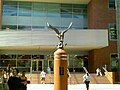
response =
{"points": [[27, 43]]}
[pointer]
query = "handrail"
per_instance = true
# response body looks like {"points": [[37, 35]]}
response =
{"points": [[109, 77], [86, 71], [106, 71]]}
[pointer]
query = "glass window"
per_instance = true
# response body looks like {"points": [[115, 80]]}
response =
{"points": [[70, 63], [35, 56], [66, 10], [53, 10], [66, 15], [9, 3], [37, 65], [51, 64], [5, 56], [38, 10], [24, 9], [21, 27], [23, 60], [112, 4], [75, 63], [23, 63], [40, 65], [78, 64], [38, 27], [84, 6], [9, 27], [113, 31], [42, 57], [114, 62], [34, 65], [9, 8], [24, 57], [4, 63], [6, 59], [34, 15]]}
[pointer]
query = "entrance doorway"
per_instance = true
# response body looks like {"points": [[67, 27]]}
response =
{"points": [[37, 65]]}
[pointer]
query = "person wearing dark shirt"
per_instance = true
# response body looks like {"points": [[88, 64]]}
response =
{"points": [[23, 81], [14, 81]]}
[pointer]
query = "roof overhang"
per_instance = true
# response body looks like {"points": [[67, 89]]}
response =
{"points": [[45, 41], [49, 49]]}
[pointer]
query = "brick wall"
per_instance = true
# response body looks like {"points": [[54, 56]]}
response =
{"points": [[99, 17]]}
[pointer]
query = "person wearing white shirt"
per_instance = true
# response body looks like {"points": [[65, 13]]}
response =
{"points": [[43, 74], [86, 80]]}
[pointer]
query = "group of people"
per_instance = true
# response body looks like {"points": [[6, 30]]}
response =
{"points": [[100, 72], [15, 81], [86, 78]]}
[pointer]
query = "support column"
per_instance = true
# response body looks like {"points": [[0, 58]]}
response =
{"points": [[60, 70]]}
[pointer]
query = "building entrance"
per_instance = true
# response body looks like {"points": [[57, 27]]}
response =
{"points": [[37, 65]]}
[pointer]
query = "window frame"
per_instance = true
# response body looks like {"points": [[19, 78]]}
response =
{"points": [[111, 4], [114, 68]]}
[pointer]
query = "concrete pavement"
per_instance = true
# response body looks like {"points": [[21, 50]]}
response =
{"points": [[75, 87]]}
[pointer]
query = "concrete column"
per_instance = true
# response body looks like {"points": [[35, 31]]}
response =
{"points": [[60, 70]]}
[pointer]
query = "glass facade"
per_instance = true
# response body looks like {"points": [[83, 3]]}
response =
{"points": [[35, 63], [34, 15], [23, 62]]}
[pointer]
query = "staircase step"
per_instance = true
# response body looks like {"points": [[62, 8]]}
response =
{"points": [[76, 78]]}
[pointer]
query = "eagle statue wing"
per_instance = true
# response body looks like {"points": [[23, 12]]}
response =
{"points": [[68, 28], [55, 29]]}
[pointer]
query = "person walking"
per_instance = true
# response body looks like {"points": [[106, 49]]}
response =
{"points": [[43, 74], [86, 80], [5, 79], [98, 72]]}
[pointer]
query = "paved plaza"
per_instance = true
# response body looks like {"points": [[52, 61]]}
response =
{"points": [[75, 87]]}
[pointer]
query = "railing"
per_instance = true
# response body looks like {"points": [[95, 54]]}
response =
{"points": [[86, 71], [109, 75], [106, 71]]}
